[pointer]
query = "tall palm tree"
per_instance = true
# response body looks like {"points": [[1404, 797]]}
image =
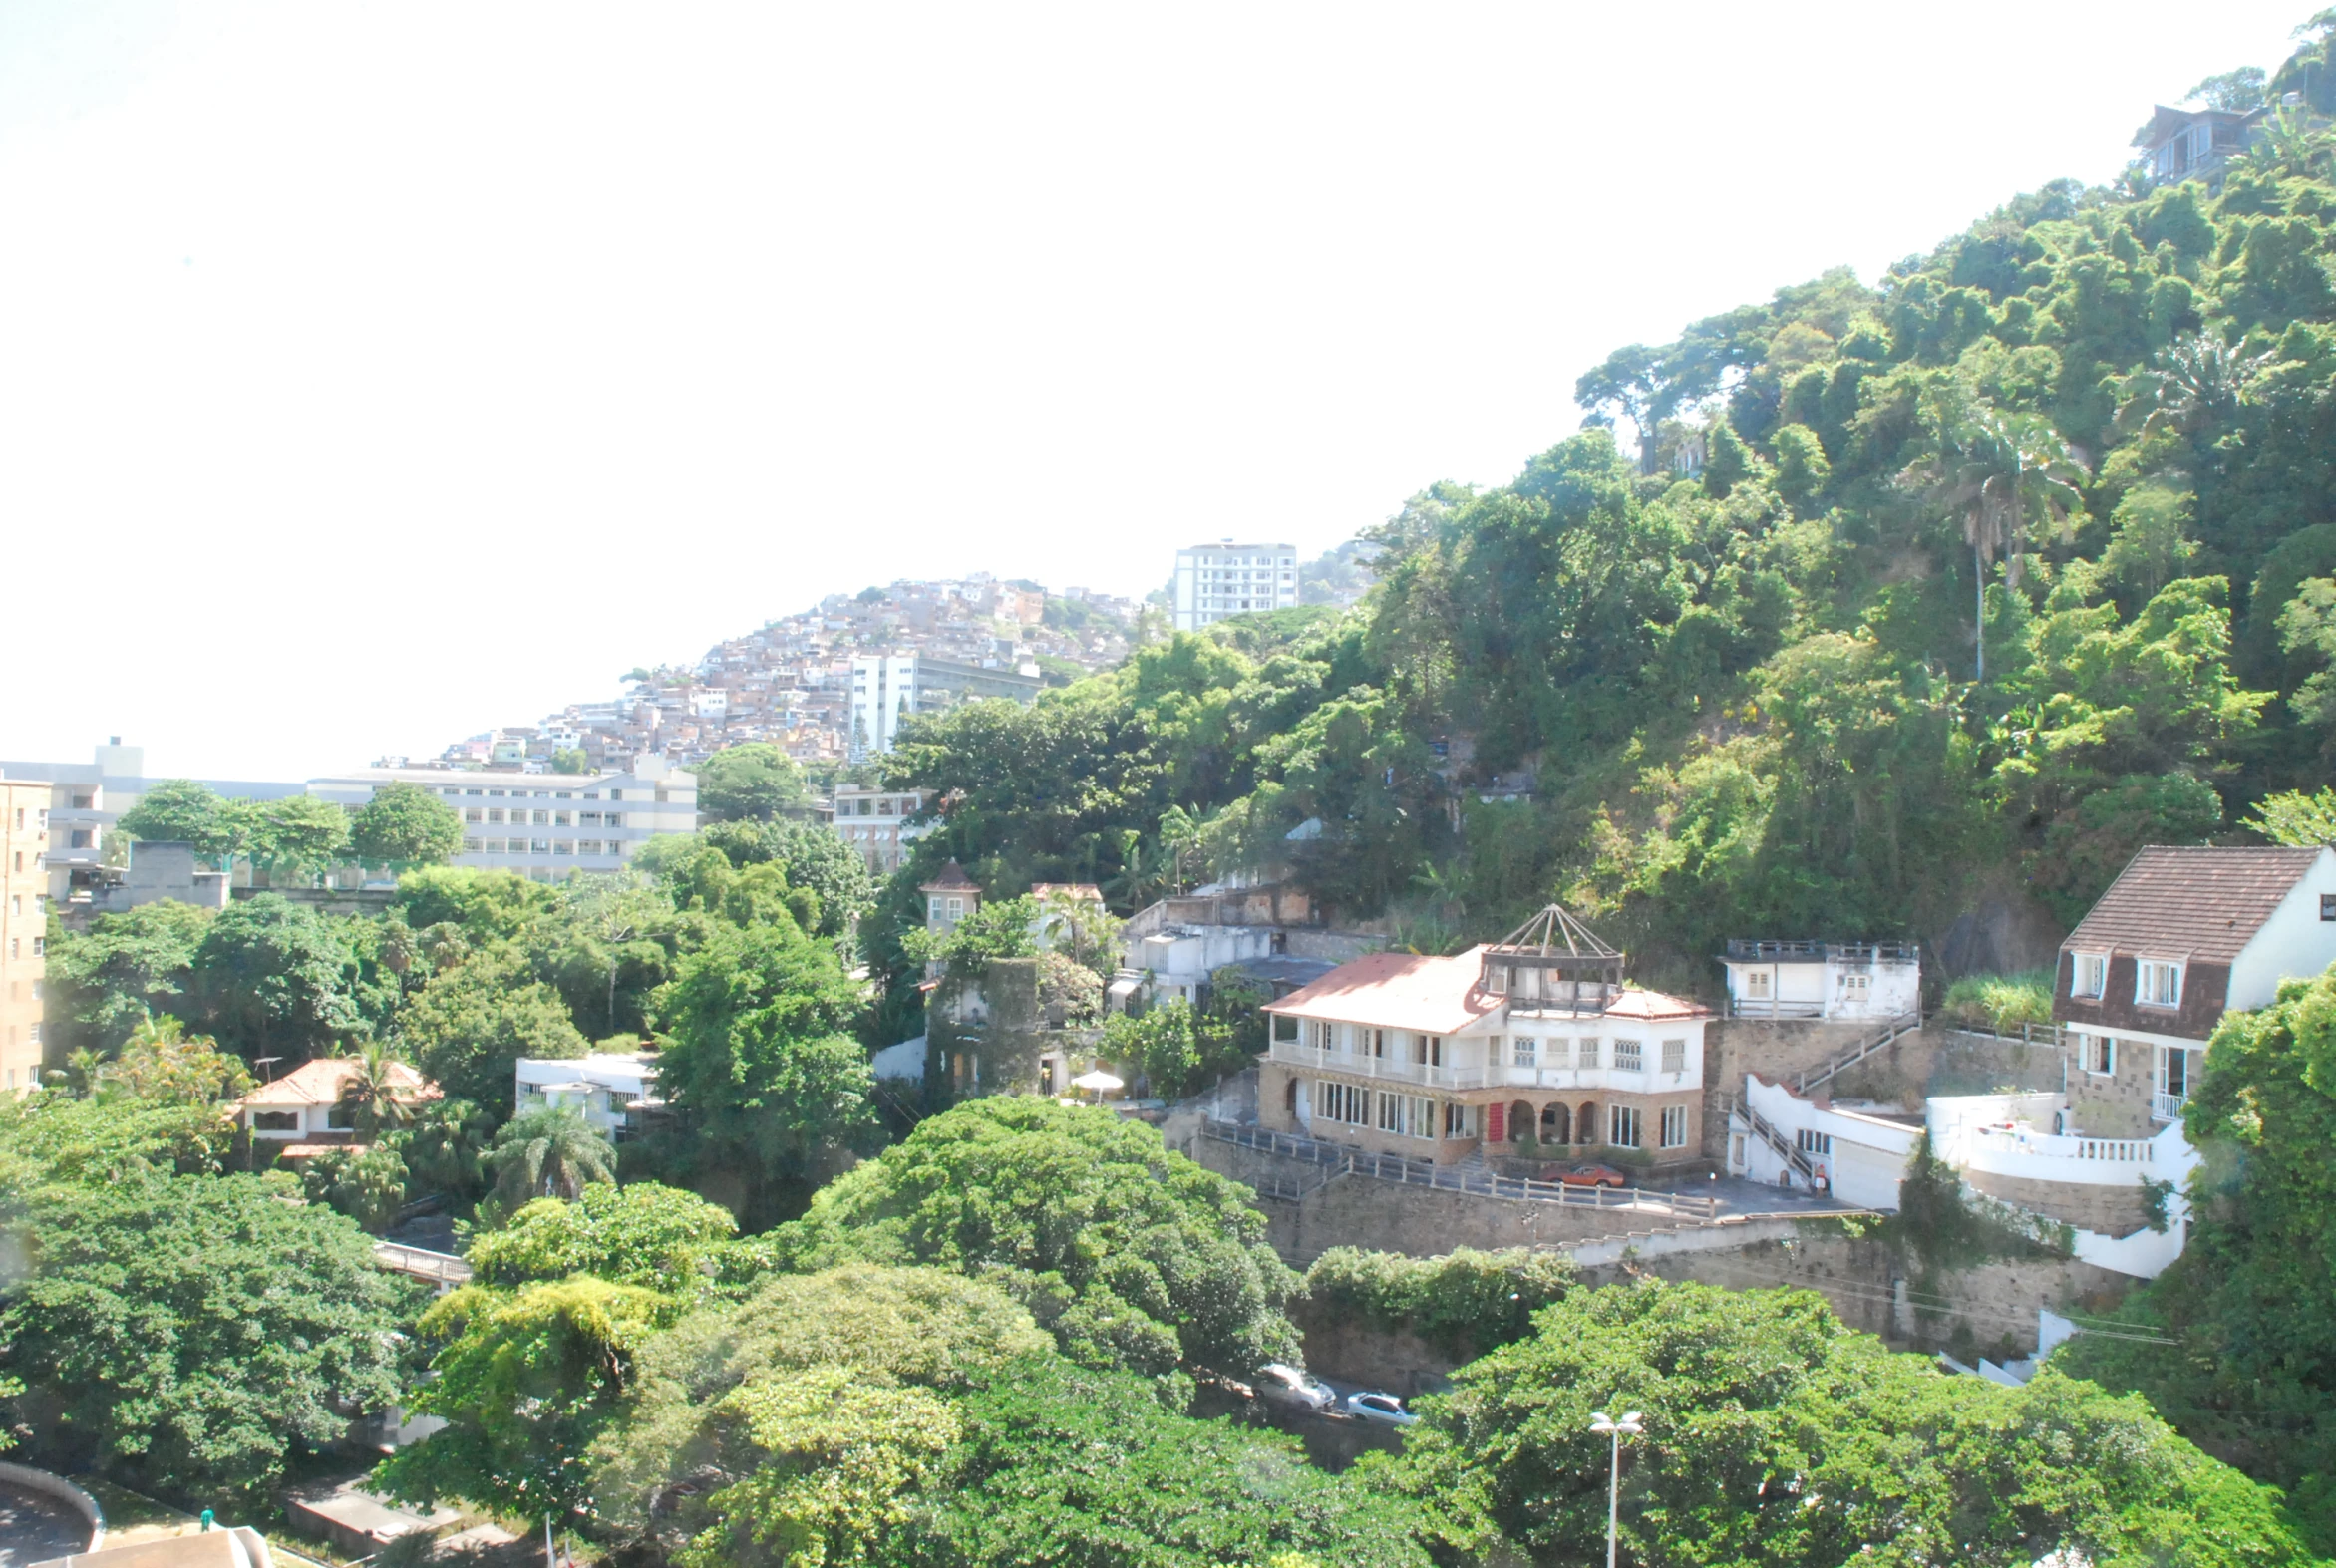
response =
{"points": [[2009, 478], [548, 1153], [372, 1093]]}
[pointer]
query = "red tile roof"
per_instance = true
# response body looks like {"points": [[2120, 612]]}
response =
{"points": [[319, 1082], [1432, 996], [952, 876], [1436, 996], [2203, 903]]}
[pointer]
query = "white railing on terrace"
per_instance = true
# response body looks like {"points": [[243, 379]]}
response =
{"points": [[2167, 1107], [1424, 1173], [2055, 1146], [1497, 1075]]}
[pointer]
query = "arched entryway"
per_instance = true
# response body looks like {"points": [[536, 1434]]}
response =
{"points": [[1585, 1122], [1556, 1122], [1520, 1122]]}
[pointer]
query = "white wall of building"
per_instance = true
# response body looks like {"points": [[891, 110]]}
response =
{"points": [[1213, 582], [2295, 943], [1863, 1159], [562, 823]]}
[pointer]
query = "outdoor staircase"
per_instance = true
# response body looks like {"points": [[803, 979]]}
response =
{"points": [[1825, 1072], [1774, 1137]]}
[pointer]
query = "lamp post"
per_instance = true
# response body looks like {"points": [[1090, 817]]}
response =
{"points": [[1606, 1427]]}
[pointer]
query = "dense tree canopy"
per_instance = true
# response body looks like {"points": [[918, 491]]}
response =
{"points": [[196, 1331], [1774, 1434], [750, 784], [405, 825], [1133, 1256]]}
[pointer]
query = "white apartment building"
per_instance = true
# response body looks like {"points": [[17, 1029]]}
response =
{"points": [[888, 688], [875, 822], [1225, 579], [543, 825]]}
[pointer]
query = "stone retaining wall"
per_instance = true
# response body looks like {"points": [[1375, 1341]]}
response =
{"points": [[2111, 1210]]}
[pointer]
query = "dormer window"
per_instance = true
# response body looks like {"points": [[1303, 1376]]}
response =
{"points": [[2090, 977], [2157, 982]]}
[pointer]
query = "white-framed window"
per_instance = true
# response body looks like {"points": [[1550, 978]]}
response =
{"points": [[1811, 1142], [2173, 1071], [543, 846], [1428, 1051], [587, 847], [495, 814], [1284, 1028], [2157, 982], [1622, 1127], [1674, 1055], [1756, 985], [1418, 1118], [492, 847], [2097, 1054], [1390, 1111], [1459, 1121], [1856, 986], [1527, 1052], [1586, 1053], [2089, 975], [1630, 1055], [1674, 1127], [1336, 1102], [956, 910], [563, 847]]}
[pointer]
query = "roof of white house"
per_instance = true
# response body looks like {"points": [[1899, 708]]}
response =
{"points": [[323, 1080], [632, 1070], [1436, 996], [2203, 903]]}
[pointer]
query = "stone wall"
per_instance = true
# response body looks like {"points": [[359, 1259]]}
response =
{"points": [[1388, 1216], [2117, 1210], [2116, 1104], [1779, 1049], [1988, 1309]]}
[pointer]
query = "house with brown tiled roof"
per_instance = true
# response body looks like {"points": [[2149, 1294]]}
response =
{"points": [[2183, 937], [304, 1112], [1529, 1044]]}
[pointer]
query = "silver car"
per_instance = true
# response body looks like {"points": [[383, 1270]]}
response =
{"points": [[1384, 1409], [1279, 1385]]}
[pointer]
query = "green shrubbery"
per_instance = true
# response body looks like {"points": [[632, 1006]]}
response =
{"points": [[2000, 1002], [1464, 1303]]}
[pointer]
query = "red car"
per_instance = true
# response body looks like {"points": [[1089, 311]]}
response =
{"points": [[1593, 1176]]}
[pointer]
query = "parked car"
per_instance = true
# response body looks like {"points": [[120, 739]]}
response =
{"points": [[1279, 1385], [1385, 1408], [1594, 1176]]}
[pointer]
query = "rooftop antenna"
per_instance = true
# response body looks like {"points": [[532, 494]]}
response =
{"points": [[269, 1063]]}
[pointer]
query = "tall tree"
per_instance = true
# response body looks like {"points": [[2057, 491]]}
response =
{"points": [[752, 782], [405, 825], [548, 1153]]}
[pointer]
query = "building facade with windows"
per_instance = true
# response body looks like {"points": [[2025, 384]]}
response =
{"points": [[1828, 980], [1531, 1045], [2182, 937], [24, 929], [876, 823], [543, 825], [1213, 582], [2195, 143], [888, 689]]}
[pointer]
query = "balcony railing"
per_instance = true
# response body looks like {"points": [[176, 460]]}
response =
{"points": [[2167, 1107], [1495, 1075]]}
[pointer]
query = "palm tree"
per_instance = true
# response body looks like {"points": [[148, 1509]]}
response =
{"points": [[82, 1071], [2006, 476], [548, 1153], [2199, 381], [371, 1093]]}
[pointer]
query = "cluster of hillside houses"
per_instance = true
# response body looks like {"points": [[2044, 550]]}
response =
{"points": [[1535, 1050]]}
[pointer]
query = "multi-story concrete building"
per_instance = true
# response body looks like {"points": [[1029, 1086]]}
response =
{"points": [[1532, 1041], [24, 928], [87, 799], [876, 823], [1829, 980], [543, 825], [1217, 580], [888, 688]]}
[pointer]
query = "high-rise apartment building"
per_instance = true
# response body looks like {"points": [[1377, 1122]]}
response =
{"points": [[24, 928], [888, 688], [1217, 580]]}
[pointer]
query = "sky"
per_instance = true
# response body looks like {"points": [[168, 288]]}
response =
{"points": [[371, 375]]}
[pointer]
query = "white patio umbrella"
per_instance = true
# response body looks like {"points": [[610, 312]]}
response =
{"points": [[1099, 1080]]}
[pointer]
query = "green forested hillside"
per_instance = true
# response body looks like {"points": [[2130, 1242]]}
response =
{"points": [[1748, 692]]}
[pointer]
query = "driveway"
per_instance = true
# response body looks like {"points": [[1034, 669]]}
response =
{"points": [[35, 1527]]}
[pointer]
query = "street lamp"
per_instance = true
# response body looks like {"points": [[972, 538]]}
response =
{"points": [[1606, 1427]]}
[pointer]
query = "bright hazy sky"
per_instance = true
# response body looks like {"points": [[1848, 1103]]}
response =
{"points": [[374, 375]]}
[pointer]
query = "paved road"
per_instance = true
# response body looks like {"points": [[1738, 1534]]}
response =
{"points": [[1739, 1196], [35, 1528]]}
